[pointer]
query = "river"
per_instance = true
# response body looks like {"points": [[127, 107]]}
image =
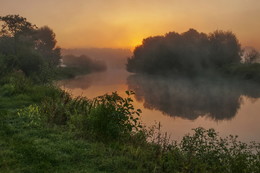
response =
{"points": [[181, 104]]}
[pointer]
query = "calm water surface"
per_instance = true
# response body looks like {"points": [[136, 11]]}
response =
{"points": [[179, 104]]}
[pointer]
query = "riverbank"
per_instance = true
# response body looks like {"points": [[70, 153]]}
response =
{"points": [[44, 129]]}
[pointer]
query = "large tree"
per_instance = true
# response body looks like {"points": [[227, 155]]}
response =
{"points": [[14, 25], [45, 43], [32, 48]]}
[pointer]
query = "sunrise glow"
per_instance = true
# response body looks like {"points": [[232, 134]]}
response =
{"points": [[124, 23]]}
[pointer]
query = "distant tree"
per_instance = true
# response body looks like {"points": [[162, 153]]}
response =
{"points": [[251, 56], [224, 48], [188, 53], [83, 63]]}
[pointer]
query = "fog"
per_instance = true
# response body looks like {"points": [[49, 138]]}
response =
{"points": [[216, 98], [101, 79], [83, 62], [113, 58]]}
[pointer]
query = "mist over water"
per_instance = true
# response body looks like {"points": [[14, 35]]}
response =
{"points": [[180, 104], [113, 58], [189, 98]]}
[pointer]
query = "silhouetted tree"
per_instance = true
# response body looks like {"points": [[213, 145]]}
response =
{"points": [[15, 25], [45, 43], [224, 48], [188, 53], [30, 49]]}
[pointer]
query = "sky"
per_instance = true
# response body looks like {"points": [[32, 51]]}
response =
{"points": [[124, 23]]}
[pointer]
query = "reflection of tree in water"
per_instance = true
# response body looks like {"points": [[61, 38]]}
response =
{"points": [[218, 99], [82, 82]]}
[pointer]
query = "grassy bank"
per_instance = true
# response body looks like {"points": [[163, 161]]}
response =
{"points": [[44, 129], [247, 71]]}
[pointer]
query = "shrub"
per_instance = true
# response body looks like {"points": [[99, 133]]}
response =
{"points": [[112, 117], [59, 108], [105, 117], [205, 151]]}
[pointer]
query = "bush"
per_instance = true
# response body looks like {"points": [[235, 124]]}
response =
{"points": [[112, 117], [60, 107], [105, 117], [205, 151]]}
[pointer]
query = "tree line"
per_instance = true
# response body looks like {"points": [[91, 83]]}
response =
{"points": [[84, 63], [189, 53]]}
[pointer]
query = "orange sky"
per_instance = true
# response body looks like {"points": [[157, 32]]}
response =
{"points": [[124, 23]]}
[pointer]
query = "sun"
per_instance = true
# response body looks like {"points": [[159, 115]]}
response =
{"points": [[135, 42]]}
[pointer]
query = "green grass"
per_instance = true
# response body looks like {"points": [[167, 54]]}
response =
{"points": [[42, 149], [32, 94], [31, 148], [28, 147], [17, 91]]}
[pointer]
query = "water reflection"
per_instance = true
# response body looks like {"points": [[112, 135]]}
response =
{"points": [[110, 77], [219, 99], [82, 82]]}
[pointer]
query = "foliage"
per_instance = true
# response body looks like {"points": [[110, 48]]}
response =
{"points": [[7, 64], [59, 108], [45, 44], [25, 47], [112, 117], [26, 147], [107, 117], [205, 150], [14, 25], [188, 53]]}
